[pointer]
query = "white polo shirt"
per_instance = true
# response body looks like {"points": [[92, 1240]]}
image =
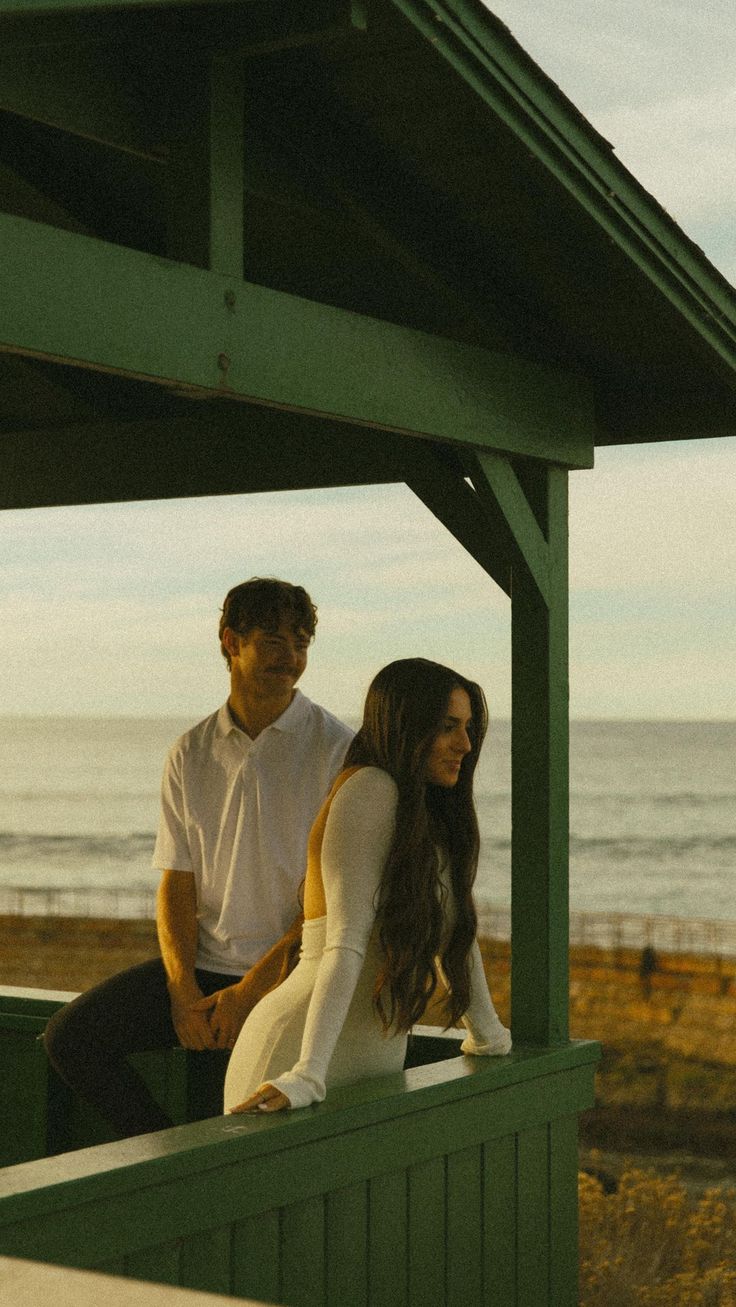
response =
{"points": [[236, 813]]}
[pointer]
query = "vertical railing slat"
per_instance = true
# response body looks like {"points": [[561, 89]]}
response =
{"points": [[387, 1240], [533, 1217], [427, 1232], [499, 1222], [563, 1211], [303, 1247], [205, 1260], [347, 1247], [255, 1257], [464, 1228], [160, 1263]]}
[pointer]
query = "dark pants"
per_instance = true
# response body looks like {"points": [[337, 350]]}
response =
{"points": [[89, 1040]]}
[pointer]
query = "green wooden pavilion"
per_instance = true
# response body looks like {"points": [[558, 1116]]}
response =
{"points": [[307, 243]]}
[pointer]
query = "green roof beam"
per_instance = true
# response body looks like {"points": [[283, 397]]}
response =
{"points": [[75, 299], [218, 448]]}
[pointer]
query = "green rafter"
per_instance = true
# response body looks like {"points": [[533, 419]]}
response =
{"points": [[498, 489], [71, 298], [442, 487]]}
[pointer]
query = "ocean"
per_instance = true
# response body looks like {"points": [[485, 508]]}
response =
{"points": [[653, 815]]}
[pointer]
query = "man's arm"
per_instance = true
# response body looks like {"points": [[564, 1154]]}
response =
{"points": [[176, 921], [228, 1008]]}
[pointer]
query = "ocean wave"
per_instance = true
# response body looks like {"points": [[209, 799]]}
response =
{"points": [[106, 795], [691, 798], [610, 796], [648, 847], [85, 847]]}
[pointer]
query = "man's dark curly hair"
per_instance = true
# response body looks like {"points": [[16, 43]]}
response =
{"points": [[266, 602]]}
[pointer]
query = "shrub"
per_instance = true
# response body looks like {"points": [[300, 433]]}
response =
{"points": [[649, 1245]]}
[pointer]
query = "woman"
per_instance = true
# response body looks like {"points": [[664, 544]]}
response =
{"points": [[388, 902]]}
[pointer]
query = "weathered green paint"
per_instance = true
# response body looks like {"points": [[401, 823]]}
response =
{"points": [[34, 8], [346, 1250], [39, 1115], [401, 1189], [518, 532], [500, 1251], [441, 486], [68, 296], [426, 1231], [388, 1260], [76, 89], [162, 1264], [498, 489], [223, 447], [464, 1232], [533, 1215], [394, 1191], [540, 780], [563, 1216], [227, 166], [255, 1256], [24, 1090], [303, 1270]]}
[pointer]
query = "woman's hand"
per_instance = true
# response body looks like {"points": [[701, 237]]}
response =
{"points": [[227, 1010], [266, 1099]]}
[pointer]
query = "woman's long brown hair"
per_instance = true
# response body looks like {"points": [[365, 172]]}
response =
{"points": [[405, 708]]}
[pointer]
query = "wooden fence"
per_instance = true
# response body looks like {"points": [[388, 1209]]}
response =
{"points": [[600, 929]]}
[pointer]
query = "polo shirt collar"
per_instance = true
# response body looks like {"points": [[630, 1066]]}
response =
{"points": [[293, 716], [289, 721]]}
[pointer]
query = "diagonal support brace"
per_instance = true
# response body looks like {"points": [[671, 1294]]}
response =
{"points": [[442, 487], [501, 494]]}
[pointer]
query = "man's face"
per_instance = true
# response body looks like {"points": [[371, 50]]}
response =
{"points": [[269, 662]]}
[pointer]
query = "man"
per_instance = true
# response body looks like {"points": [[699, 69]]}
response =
{"points": [[239, 794]]}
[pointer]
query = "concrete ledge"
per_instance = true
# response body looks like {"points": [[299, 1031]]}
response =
{"points": [[31, 1284]]}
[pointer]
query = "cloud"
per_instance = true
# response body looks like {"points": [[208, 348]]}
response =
{"points": [[657, 81], [662, 519], [681, 149]]}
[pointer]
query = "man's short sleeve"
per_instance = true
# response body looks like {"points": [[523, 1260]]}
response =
{"points": [[172, 845]]}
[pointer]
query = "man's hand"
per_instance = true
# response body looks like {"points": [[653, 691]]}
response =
{"points": [[226, 1010], [192, 1026]]}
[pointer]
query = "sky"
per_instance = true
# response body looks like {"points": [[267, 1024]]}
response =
{"points": [[113, 609]]}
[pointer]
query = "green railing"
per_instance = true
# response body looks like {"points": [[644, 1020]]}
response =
{"points": [[451, 1183]]}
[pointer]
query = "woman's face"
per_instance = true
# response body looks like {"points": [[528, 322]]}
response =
{"points": [[452, 741]]}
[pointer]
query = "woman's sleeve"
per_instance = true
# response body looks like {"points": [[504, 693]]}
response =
{"points": [[486, 1035], [357, 838]]}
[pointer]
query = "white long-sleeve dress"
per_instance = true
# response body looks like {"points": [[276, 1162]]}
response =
{"points": [[319, 1028]]}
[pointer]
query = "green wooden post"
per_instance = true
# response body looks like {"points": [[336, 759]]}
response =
{"points": [[513, 520], [539, 744]]}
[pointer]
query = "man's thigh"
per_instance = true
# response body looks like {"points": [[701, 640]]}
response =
{"points": [[130, 1012]]}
